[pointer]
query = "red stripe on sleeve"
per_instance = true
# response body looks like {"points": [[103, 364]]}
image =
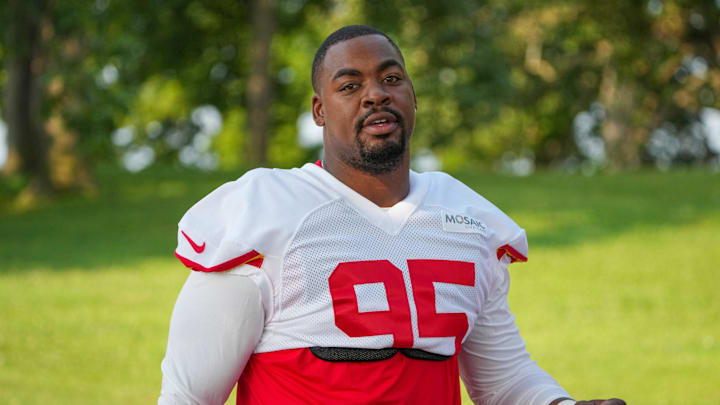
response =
{"points": [[515, 256], [252, 258], [257, 262]]}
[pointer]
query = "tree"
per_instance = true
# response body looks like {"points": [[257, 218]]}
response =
{"points": [[25, 61], [519, 76], [259, 82]]}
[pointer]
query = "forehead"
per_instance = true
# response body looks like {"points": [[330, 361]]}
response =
{"points": [[361, 53]]}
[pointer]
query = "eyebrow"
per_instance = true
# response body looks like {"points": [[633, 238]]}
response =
{"points": [[354, 72], [388, 63], [346, 72]]}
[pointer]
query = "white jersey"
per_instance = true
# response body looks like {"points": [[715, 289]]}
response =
{"points": [[334, 270], [310, 229]]}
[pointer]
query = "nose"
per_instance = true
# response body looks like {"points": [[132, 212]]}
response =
{"points": [[376, 96]]}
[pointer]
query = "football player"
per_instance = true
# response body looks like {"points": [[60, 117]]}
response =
{"points": [[352, 280]]}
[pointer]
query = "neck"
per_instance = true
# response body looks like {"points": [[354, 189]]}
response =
{"points": [[385, 190]]}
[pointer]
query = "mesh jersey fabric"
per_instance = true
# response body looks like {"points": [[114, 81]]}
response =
{"points": [[336, 234], [338, 271], [324, 224]]}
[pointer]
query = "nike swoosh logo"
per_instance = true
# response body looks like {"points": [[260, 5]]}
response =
{"points": [[197, 248]]}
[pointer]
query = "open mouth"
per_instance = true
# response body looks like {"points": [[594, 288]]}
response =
{"points": [[380, 123]]}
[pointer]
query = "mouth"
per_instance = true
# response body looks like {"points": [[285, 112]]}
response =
{"points": [[380, 123]]}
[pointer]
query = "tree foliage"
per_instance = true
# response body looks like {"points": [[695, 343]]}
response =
{"points": [[617, 84]]}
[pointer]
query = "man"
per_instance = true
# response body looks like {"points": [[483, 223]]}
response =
{"points": [[353, 280]]}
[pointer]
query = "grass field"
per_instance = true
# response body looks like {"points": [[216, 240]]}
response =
{"points": [[620, 296]]}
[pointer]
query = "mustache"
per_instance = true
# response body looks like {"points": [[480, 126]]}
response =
{"points": [[398, 117]]}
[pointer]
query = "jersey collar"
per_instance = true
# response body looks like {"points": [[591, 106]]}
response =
{"points": [[391, 219]]}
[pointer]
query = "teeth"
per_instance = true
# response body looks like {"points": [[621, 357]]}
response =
{"points": [[380, 121]]}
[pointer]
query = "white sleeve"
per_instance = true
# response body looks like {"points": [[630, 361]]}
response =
{"points": [[216, 323], [494, 364]]}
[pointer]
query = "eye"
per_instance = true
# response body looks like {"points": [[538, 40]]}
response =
{"points": [[391, 79], [349, 87]]}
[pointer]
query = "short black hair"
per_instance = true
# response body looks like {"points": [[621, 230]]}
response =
{"points": [[344, 34]]}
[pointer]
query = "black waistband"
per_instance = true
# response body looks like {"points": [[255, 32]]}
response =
{"points": [[355, 354]]}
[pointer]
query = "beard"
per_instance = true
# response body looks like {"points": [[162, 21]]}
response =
{"points": [[382, 157]]}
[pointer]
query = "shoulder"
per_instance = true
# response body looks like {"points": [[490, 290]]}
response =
{"points": [[451, 193], [457, 199], [253, 216], [257, 193]]}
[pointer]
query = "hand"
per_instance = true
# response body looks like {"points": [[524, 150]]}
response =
{"points": [[613, 401]]}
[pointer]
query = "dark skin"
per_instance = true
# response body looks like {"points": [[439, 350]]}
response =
{"points": [[613, 401], [357, 77], [357, 80]]}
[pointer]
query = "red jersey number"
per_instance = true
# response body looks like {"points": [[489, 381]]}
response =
{"points": [[396, 320]]}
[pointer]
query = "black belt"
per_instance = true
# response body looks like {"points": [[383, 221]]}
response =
{"points": [[355, 354]]}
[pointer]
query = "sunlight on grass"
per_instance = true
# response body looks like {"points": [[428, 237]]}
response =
{"points": [[90, 337], [620, 316]]}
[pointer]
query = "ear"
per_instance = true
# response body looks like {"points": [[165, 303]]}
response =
{"points": [[317, 111], [414, 95]]}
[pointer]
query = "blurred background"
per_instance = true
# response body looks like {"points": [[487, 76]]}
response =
{"points": [[513, 85], [595, 125]]}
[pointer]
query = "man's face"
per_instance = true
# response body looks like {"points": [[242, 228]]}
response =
{"points": [[365, 103]]}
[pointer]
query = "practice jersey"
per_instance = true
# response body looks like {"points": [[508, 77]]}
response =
{"points": [[362, 304]]}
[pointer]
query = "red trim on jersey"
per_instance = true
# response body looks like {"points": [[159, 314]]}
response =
{"points": [[257, 262], [319, 162], [296, 376], [252, 257], [515, 256]]}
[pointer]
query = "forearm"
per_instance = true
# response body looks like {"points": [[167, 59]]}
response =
{"points": [[494, 363], [508, 380]]}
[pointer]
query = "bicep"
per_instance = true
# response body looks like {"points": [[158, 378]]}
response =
{"points": [[215, 325]]}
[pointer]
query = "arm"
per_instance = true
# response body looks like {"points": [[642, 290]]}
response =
{"points": [[216, 323], [494, 364]]}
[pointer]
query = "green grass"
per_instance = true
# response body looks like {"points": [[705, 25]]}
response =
{"points": [[618, 298]]}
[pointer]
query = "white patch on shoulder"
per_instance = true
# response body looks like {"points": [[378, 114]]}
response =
{"points": [[462, 224]]}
